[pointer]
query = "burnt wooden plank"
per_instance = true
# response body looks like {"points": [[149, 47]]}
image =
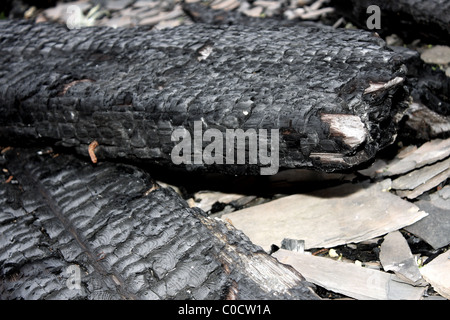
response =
{"points": [[332, 95], [124, 236]]}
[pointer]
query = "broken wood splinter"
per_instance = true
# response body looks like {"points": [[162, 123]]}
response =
{"points": [[153, 188], [9, 179], [91, 148], [383, 86]]}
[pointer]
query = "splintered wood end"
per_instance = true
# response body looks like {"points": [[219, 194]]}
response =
{"points": [[153, 188], [92, 146]]}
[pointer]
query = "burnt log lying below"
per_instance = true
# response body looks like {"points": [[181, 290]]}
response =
{"points": [[332, 95], [428, 20], [123, 236]]}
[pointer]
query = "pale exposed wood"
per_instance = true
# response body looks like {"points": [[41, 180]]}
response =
{"points": [[329, 158], [349, 127], [374, 87], [349, 279], [329, 217]]}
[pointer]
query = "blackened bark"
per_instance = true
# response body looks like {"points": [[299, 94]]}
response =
{"points": [[128, 237], [333, 95]]}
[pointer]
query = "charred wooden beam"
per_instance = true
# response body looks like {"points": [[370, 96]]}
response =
{"points": [[428, 20], [331, 96], [70, 229]]}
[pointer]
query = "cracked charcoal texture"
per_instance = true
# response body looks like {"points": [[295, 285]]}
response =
{"points": [[130, 88], [410, 19], [426, 85], [64, 211]]}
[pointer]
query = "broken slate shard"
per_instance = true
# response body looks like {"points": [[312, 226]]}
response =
{"points": [[131, 89], [414, 158], [396, 256], [435, 228], [328, 217], [350, 279], [70, 229], [415, 183], [437, 274]]}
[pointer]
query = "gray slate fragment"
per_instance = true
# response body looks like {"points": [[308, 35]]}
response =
{"points": [[435, 228], [328, 217], [436, 273], [396, 256], [428, 153], [349, 279], [415, 178], [426, 186]]}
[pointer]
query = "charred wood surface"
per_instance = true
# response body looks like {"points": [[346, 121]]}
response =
{"points": [[129, 89], [130, 239], [411, 19]]}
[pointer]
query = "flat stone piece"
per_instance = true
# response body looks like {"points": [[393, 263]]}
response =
{"points": [[349, 279], [396, 256], [329, 217], [428, 185], [437, 274], [428, 153], [435, 228], [416, 178]]}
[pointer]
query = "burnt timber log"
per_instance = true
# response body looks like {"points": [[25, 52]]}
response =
{"points": [[428, 20], [124, 236], [332, 95]]}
